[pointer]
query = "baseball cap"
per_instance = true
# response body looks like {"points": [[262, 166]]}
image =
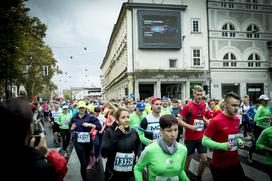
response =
{"points": [[175, 100], [65, 107], [264, 97], [154, 100], [164, 98], [81, 104], [140, 106]]}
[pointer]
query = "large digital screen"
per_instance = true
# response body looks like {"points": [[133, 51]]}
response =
{"points": [[159, 29]]}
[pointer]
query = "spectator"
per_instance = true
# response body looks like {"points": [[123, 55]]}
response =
{"points": [[25, 161]]}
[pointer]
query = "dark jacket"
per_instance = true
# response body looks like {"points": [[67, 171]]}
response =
{"points": [[114, 141], [87, 118], [28, 164]]}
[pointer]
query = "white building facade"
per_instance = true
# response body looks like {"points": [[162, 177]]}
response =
{"points": [[240, 33], [157, 48], [166, 47]]}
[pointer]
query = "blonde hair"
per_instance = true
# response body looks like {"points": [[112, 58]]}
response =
{"points": [[197, 89]]}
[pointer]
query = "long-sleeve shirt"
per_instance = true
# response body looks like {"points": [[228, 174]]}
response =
{"points": [[149, 129], [87, 118], [120, 150], [162, 165], [265, 139], [261, 116]]}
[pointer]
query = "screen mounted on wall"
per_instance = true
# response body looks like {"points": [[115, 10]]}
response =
{"points": [[159, 29]]}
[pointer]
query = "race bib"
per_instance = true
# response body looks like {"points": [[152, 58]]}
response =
{"points": [[123, 162], [232, 139], [65, 123], [266, 123], [156, 134], [159, 178], [200, 124], [83, 137]]}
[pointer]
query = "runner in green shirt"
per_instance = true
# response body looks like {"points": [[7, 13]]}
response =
{"points": [[165, 109], [262, 119], [63, 121], [164, 158], [263, 115], [137, 116], [264, 143]]}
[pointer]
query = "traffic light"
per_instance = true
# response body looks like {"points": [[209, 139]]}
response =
{"points": [[45, 70]]}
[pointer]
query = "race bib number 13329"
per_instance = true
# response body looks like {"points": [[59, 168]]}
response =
{"points": [[123, 162]]}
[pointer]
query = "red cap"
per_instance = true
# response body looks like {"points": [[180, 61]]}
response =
{"points": [[155, 99]]}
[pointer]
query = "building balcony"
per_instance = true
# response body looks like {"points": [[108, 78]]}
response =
{"points": [[223, 64]]}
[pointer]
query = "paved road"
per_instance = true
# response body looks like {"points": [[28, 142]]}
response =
{"points": [[254, 171]]}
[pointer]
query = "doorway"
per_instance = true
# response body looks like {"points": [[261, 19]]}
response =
{"points": [[171, 91], [146, 90], [254, 91]]}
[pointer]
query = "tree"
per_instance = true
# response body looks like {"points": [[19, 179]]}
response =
{"points": [[67, 94], [22, 49]]}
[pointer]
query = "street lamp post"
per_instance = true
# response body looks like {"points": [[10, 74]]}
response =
{"points": [[269, 47]]}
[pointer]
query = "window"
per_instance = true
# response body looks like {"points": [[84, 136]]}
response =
{"points": [[172, 63], [228, 30], [229, 59], [233, 64], [195, 25], [254, 59], [225, 64], [252, 4], [223, 4], [231, 5], [227, 4], [196, 57], [252, 31]]}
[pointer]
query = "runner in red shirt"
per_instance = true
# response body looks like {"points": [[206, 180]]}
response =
{"points": [[192, 119], [210, 111], [221, 135]]}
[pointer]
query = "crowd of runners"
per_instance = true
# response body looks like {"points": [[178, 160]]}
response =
{"points": [[156, 138]]}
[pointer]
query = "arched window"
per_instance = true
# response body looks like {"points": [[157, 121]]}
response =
{"points": [[254, 60], [252, 31], [229, 59], [227, 30]]}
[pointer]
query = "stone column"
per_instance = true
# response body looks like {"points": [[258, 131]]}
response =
{"points": [[158, 89], [137, 94], [187, 90], [130, 84]]}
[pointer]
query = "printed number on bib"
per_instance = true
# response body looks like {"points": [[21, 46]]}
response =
{"points": [[232, 139], [159, 178], [123, 162], [65, 123], [83, 137], [200, 124]]}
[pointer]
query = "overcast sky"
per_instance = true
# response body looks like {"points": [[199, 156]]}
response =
{"points": [[71, 26]]}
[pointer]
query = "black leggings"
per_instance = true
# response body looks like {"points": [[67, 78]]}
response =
{"points": [[257, 132], [65, 136], [221, 174], [246, 126], [83, 151]]}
